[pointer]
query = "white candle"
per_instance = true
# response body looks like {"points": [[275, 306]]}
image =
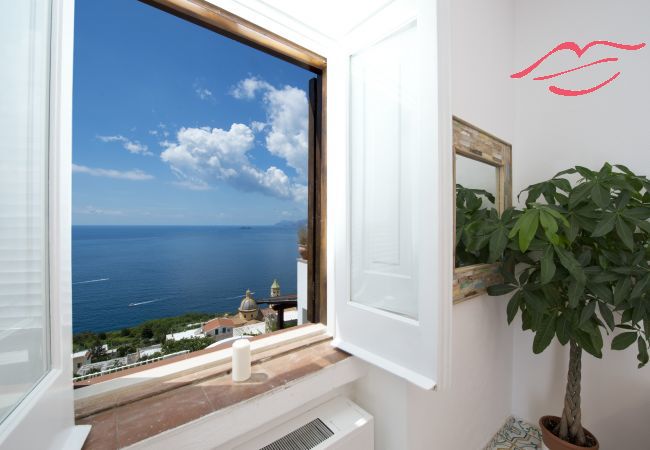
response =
{"points": [[241, 360]]}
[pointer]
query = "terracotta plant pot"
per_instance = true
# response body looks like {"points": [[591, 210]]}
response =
{"points": [[303, 252], [547, 423]]}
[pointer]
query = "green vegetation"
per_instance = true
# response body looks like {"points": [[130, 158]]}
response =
{"points": [[127, 340], [192, 344], [577, 260], [471, 243]]}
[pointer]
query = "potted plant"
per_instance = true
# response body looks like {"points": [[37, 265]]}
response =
{"points": [[302, 242], [576, 259]]}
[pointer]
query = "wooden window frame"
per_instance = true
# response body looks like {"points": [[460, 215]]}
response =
{"points": [[474, 143], [227, 24]]}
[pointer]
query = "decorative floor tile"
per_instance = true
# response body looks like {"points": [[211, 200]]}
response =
{"points": [[516, 435]]}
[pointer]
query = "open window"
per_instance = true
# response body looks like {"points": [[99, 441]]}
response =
{"points": [[381, 127], [236, 160], [385, 263]]}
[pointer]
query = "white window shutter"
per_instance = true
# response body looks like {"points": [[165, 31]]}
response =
{"points": [[393, 264]]}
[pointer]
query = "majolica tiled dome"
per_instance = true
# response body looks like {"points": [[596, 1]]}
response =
{"points": [[248, 303]]}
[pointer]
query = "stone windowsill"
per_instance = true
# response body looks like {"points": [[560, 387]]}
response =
{"points": [[125, 416]]}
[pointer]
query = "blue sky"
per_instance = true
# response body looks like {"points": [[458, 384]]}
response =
{"points": [[176, 125]]}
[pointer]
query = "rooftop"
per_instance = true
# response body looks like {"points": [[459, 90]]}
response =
{"points": [[219, 322]]}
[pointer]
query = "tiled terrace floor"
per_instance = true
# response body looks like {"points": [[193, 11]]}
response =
{"points": [[516, 435]]}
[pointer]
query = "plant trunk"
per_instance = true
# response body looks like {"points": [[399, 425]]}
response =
{"points": [[570, 427]]}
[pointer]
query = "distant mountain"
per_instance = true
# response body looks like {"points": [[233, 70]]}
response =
{"points": [[291, 223]]}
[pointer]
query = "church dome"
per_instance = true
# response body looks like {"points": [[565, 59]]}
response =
{"points": [[248, 303]]}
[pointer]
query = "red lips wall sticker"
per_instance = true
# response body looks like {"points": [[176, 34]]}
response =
{"points": [[579, 52]]}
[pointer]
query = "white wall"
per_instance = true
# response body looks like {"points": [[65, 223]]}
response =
{"points": [[467, 414], [553, 133]]}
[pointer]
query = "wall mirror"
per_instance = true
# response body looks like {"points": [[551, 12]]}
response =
{"points": [[483, 180]]}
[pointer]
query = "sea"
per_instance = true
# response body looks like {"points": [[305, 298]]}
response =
{"points": [[125, 275]]}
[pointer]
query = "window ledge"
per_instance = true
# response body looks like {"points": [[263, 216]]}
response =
{"points": [[125, 416], [158, 372]]}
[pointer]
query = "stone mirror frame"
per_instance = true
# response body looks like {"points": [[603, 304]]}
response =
{"points": [[475, 144]]}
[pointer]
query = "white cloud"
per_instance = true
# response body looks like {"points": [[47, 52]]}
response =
{"points": [[247, 88], [200, 156], [132, 146], [258, 126], [134, 175], [286, 111], [202, 92], [193, 185]]}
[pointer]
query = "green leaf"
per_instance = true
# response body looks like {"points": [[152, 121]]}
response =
{"points": [[586, 173], [605, 277], [570, 171], [636, 213], [500, 289], [638, 313], [526, 226], [596, 339], [579, 194], [622, 290], [623, 340], [562, 184], [640, 286], [551, 294], [585, 340], [605, 225], [643, 352], [563, 330], [549, 224], [513, 306], [545, 335], [643, 225], [576, 291], [498, 243], [587, 312], [534, 302], [626, 316], [600, 196], [625, 233], [574, 229], [548, 265], [607, 315], [571, 264], [601, 291], [555, 213], [623, 169]]}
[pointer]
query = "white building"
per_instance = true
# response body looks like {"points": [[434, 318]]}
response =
{"points": [[220, 328], [149, 351], [79, 359], [187, 334]]}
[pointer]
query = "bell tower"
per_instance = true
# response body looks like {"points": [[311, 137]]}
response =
{"points": [[275, 289]]}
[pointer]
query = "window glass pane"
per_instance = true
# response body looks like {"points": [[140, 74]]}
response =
{"points": [[24, 51], [383, 160]]}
